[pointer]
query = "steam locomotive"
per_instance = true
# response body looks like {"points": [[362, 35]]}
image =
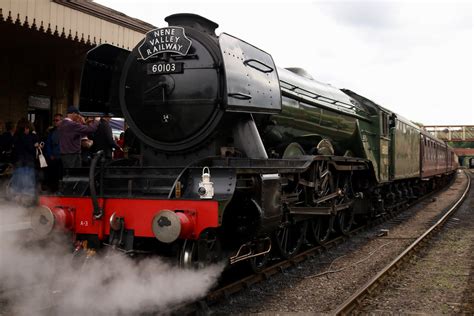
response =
{"points": [[237, 159]]}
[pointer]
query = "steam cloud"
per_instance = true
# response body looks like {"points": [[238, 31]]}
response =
{"points": [[35, 275]]}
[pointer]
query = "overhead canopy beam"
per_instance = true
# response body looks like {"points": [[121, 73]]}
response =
{"points": [[82, 21]]}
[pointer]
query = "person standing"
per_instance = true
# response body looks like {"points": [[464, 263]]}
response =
{"points": [[103, 139], [119, 154], [71, 130], [52, 152], [23, 183], [6, 142], [86, 145]]}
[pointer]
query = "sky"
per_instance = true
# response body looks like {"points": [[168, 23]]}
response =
{"points": [[412, 57]]}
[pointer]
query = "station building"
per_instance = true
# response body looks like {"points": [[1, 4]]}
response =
{"points": [[42, 49]]}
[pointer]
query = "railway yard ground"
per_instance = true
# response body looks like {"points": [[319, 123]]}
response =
{"points": [[439, 281]]}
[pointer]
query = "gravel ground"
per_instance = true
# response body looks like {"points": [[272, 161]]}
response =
{"points": [[319, 285], [440, 280]]}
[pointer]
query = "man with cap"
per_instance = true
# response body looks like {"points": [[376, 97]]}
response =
{"points": [[71, 130]]}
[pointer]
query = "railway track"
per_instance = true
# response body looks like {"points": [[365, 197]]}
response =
{"points": [[227, 290], [351, 304]]}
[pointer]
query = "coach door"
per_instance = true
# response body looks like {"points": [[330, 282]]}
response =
{"points": [[384, 170]]}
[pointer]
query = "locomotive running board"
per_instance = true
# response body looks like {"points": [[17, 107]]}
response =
{"points": [[320, 210]]}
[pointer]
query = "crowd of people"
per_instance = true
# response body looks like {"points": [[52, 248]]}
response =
{"points": [[69, 143]]}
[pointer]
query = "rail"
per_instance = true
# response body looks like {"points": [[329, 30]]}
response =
{"points": [[229, 289], [353, 301]]}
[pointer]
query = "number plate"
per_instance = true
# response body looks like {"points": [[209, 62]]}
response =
{"points": [[164, 68]]}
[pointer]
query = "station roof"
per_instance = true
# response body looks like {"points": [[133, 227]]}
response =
{"points": [[78, 20]]}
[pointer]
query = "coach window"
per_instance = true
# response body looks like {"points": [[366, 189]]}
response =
{"points": [[429, 150], [384, 126]]}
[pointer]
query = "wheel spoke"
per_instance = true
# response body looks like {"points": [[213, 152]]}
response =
{"points": [[290, 238], [321, 229], [345, 221]]}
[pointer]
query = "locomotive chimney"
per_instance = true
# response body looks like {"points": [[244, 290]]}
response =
{"points": [[194, 21]]}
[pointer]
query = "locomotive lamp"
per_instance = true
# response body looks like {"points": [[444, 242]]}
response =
{"points": [[206, 187]]}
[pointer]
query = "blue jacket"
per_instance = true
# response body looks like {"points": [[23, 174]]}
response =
{"points": [[51, 146]]}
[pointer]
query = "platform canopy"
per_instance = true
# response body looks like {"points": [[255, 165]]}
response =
{"points": [[43, 45], [79, 20]]}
